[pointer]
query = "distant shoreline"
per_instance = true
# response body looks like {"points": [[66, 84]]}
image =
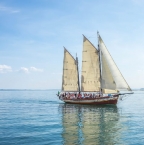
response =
{"points": [[27, 89], [141, 89]]}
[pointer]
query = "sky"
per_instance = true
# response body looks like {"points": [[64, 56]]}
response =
{"points": [[33, 33]]}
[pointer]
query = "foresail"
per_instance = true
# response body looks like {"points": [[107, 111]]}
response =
{"points": [[90, 76], [107, 78], [70, 74], [119, 80]]}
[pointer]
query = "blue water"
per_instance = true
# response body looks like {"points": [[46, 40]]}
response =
{"points": [[39, 118]]}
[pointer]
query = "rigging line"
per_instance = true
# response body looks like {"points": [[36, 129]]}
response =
{"points": [[125, 97], [94, 35]]}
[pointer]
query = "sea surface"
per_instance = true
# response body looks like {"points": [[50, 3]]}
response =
{"points": [[39, 118]]}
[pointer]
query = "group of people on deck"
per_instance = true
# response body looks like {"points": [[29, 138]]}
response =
{"points": [[78, 95]]}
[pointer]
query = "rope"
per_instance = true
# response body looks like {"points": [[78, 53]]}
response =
{"points": [[124, 97]]}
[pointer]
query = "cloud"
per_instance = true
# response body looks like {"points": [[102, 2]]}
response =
{"points": [[29, 70], [5, 68], [8, 9], [24, 70], [36, 69]]}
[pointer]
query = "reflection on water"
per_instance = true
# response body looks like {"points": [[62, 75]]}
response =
{"points": [[88, 124]]}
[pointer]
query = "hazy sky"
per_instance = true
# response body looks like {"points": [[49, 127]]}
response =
{"points": [[33, 33]]}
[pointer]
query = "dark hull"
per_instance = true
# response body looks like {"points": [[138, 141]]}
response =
{"points": [[97, 101]]}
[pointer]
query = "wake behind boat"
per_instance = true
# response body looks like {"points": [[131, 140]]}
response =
{"points": [[101, 80]]}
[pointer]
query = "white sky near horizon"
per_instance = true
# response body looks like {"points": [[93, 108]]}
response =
{"points": [[33, 33]]}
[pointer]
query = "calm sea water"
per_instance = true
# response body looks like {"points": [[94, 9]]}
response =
{"points": [[39, 118]]}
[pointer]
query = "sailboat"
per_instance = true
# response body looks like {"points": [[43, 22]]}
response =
{"points": [[101, 80]]}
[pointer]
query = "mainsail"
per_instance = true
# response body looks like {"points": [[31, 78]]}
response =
{"points": [[110, 73], [90, 77], [70, 73]]}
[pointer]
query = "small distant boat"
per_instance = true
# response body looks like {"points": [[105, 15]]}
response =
{"points": [[101, 80]]}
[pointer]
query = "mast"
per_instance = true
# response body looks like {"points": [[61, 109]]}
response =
{"points": [[99, 52], [63, 70], [78, 73]]}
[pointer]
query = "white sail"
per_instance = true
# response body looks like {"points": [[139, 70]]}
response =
{"points": [[90, 77], [119, 80], [107, 84], [107, 79], [70, 74]]}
